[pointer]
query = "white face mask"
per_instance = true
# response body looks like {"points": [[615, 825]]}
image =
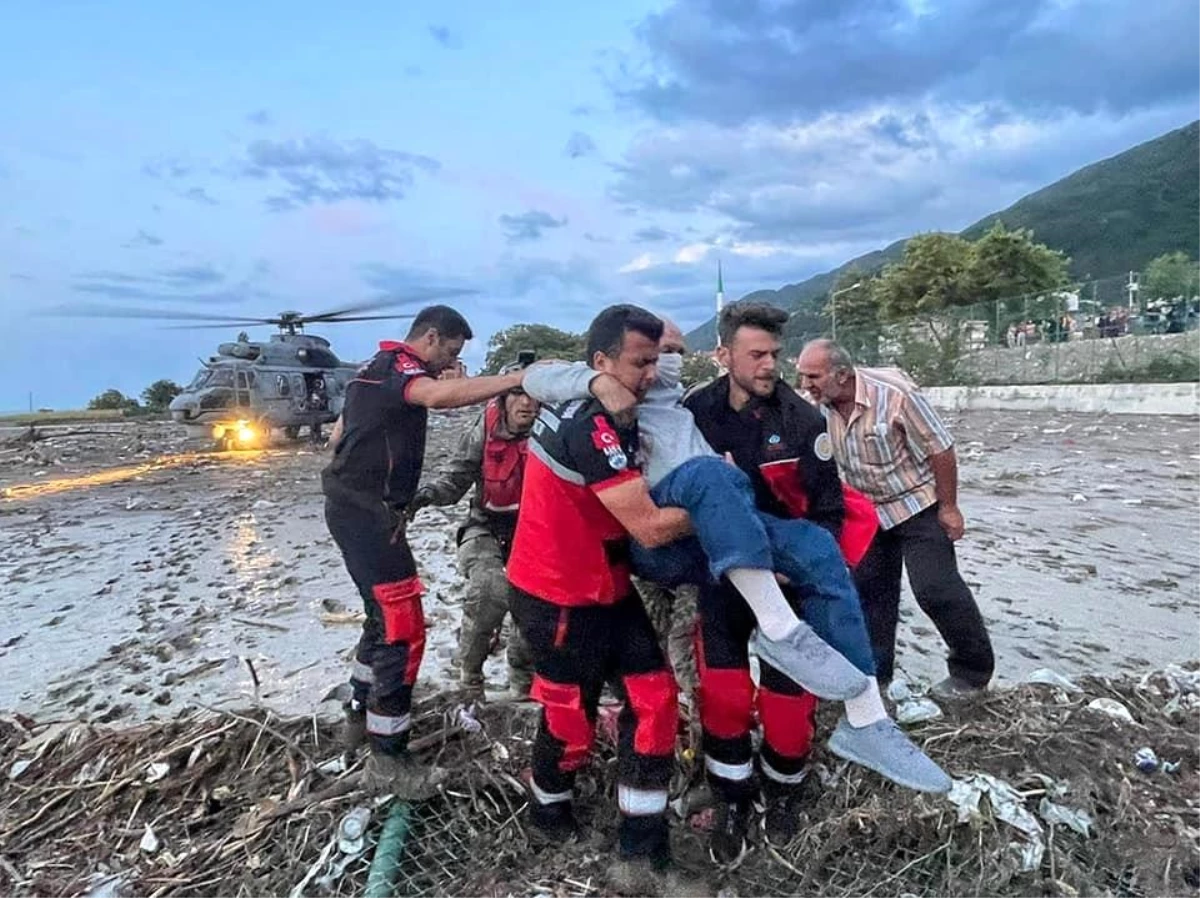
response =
{"points": [[670, 368]]}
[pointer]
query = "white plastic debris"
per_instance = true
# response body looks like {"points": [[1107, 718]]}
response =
{"points": [[467, 721], [1112, 708], [1079, 497], [149, 843], [898, 690], [1009, 807], [19, 767], [1061, 815], [916, 710], [157, 771], [1046, 677]]}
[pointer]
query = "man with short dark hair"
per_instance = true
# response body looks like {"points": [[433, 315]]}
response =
{"points": [[893, 447], [779, 441], [374, 473], [584, 496]]}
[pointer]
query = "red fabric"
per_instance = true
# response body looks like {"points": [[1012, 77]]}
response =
{"points": [[788, 721], [404, 620], [503, 463], [860, 524], [566, 720], [653, 697], [558, 551], [603, 436], [726, 696]]}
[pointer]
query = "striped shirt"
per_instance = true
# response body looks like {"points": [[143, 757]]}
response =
{"points": [[883, 450]]}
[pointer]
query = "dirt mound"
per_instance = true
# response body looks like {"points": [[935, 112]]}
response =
{"points": [[1049, 800]]}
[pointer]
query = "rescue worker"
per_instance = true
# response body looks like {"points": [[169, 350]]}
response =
{"points": [[779, 440], [824, 647], [585, 624], [372, 477], [490, 455], [893, 446]]}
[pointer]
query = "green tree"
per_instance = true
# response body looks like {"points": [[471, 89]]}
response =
{"points": [[548, 342], [855, 299], [1170, 275], [697, 367], [159, 394], [113, 399]]}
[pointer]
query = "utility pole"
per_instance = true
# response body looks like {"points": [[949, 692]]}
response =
{"points": [[833, 304], [720, 301]]}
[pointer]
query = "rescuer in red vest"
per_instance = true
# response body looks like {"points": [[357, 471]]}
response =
{"points": [[490, 456]]}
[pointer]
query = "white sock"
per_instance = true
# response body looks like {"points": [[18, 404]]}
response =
{"points": [[761, 591], [867, 708]]}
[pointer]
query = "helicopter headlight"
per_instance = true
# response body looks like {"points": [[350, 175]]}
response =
{"points": [[245, 433]]}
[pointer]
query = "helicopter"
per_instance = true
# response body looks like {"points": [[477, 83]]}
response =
{"points": [[249, 388]]}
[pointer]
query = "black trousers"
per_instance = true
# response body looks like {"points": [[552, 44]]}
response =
{"points": [[575, 652], [922, 546], [371, 538]]}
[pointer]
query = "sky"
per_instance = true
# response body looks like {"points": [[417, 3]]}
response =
{"points": [[244, 159]]}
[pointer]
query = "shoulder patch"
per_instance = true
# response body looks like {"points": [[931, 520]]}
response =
{"points": [[823, 447], [406, 364], [606, 440]]}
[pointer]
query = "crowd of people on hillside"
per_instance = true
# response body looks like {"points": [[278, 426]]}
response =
{"points": [[775, 521]]}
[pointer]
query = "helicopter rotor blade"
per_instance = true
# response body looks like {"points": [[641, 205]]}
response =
{"points": [[94, 311], [363, 318], [423, 295]]}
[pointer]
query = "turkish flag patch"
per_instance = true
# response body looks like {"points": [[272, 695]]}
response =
{"points": [[603, 435]]}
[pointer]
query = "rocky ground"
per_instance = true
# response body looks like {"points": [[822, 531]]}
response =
{"points": [[143, 574]]}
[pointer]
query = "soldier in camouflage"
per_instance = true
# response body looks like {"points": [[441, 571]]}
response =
{"points": [[490, 456]]}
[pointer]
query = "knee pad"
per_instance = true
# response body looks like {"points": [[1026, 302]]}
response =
{"points": [[788, 721], [726, 701], [655, 702], [403, 618], [562, 703]]}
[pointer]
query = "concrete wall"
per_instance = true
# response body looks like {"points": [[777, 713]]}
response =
{"points": [[1116, 399], [1078, 361]]}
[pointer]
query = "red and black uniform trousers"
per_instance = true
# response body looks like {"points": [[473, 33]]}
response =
{"points": [[576, 650], [729, 703], [371, 536]]}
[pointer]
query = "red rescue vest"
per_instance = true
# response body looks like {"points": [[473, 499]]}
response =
{"points": [[861, 521], [503, 465]]}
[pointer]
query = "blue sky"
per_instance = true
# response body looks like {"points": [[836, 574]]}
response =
{"points": [[250, 158]]}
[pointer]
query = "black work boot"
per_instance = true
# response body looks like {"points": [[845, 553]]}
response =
{"points": [[781, 820], [727, 843], [554, 823], [644, 856], [354, 729]]}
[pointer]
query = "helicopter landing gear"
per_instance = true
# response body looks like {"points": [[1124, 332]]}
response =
{"points": [[292, 433], [316, 435]]}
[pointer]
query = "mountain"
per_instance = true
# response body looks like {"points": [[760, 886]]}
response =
{"points": [[1110, 217]]}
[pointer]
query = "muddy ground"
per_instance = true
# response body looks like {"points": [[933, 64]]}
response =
{"points": [[141, 576]]}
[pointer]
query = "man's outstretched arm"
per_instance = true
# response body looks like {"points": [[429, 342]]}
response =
{"points": [[456, 393]]}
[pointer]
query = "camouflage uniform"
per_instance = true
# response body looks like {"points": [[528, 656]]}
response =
{"points": [[484, 540], [673, 614]]}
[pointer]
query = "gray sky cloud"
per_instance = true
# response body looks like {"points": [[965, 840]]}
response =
{"points": [[579, 144], [529, 226], [319, 169], [444, 36], [780, 60]]}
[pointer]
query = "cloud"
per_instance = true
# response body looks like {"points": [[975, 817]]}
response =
{"points": [[166, 168], [872, 175], [579, 144], [144, 238], [200, 283], [259, 117], [444, 36], [779, 60], [199, 195], [529, 225], [322, 170], [596, 238], [652, 234]]}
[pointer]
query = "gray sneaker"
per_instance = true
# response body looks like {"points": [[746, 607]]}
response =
{"points": [[883, 747], [812, 663], [954, 689]]}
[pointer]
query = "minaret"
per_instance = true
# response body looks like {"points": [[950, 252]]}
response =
{"points": [[720, 300]]}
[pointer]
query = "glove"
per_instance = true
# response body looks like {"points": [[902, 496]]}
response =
{"points": [[421, 498]]}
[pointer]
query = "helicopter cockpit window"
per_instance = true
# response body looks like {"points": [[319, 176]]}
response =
{"points": [[199, 380], [221, 377], [282, 386]]}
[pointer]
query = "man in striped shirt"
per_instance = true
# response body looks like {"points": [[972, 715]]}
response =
{"points": [[891, 445]]}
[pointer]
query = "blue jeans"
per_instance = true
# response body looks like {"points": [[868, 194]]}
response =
{"points": [[730, 532]]}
